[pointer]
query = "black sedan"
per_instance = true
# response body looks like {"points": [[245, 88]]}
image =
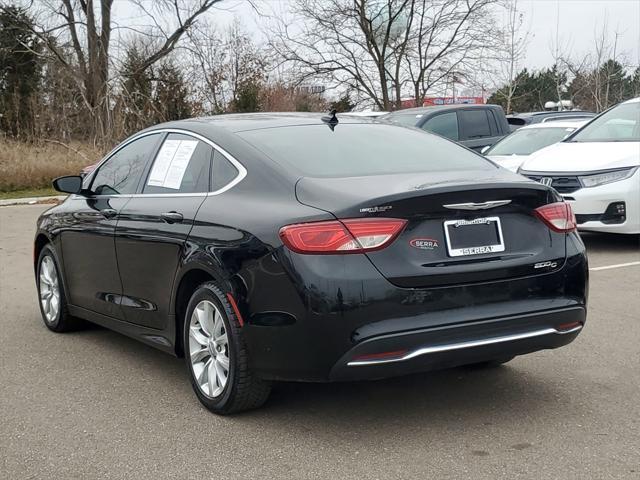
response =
{"points": [[270, 247]]}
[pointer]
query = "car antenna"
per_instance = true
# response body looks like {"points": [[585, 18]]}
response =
{"points": [[331, 119]]}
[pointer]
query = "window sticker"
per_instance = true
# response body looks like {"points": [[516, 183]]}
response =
{"points": [[171, 163]]}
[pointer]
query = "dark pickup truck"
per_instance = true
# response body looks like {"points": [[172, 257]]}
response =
{"points": [[474, 126]]}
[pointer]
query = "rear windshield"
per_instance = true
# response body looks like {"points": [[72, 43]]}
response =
{"points": [[529, 140], [353, 150]]}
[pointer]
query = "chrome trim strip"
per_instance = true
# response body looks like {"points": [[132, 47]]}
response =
{"points": [[477, 206], [463, 345], [242, 172]]}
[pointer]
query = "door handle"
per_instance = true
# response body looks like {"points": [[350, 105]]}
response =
{"points": [[109, 212], [171, 217]]}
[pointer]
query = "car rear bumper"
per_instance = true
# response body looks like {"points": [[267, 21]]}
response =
{"points": [[435, 348], [316, 319]]}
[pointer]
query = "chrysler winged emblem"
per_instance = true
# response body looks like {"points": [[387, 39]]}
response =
{"points": [[477, 206]]}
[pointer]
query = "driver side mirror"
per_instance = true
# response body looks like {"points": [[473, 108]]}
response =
{"points": [[68, 184], [484, 149]]}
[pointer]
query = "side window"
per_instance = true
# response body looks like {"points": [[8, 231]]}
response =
{"points": [[445, 124], [182, 165], [223, 171], [474, 123], [121, 173]]}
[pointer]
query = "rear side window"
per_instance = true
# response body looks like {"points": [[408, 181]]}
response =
{"points": [[474, 123], [445, 124], [223, 171], [182, 165], [121, 173], [361, 149]]}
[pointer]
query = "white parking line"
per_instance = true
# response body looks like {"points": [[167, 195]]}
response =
{"points": [[609, 267]]}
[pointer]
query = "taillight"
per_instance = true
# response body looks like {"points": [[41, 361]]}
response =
{"points": [[558, 217], [354, 235]]}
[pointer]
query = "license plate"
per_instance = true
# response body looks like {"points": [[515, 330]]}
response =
{"points": [[474, 237]]}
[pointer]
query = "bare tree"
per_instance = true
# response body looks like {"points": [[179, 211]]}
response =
{"points": [[513, 44], [226, 64], [598, 78], [87, 27], [381, 48]]}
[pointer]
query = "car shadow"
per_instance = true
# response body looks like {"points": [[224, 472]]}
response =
{"points": [[610, 242], [433, 399]]}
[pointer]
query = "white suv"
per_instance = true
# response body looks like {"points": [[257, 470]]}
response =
{"points": [[597, 169]]}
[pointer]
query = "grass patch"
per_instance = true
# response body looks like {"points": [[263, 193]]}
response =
{"points": [[32, 192], [28, 167]]}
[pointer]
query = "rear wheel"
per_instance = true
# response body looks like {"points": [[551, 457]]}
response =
{"points": [[216, 355], [53, 305]]}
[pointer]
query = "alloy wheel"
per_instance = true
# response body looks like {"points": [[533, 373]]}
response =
{"points": [[49, 289], [209, 349]]}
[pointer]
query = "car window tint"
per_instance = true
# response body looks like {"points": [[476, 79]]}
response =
{"points": [[182, 165], [121, 173], [361, 149], [223, 171], [445, 124], [474, 123]]}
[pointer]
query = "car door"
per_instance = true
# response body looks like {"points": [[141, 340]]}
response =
{"points": [[443, 124], [154, 225], [87, 240], [476, 130]]}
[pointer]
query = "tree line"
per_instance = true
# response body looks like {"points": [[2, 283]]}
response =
{"points": [[69, 69]]}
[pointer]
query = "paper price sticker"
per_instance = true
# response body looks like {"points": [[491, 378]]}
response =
{"points": [[171, 163]]}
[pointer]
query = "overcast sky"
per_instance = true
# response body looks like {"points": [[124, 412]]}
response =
{"points": [[579, 20]]}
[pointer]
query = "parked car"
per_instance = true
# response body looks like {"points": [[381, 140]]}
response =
{"points": [[474, 126], [596, 169], [519, 120], [270, 247], [366, 113], [514, 149]]}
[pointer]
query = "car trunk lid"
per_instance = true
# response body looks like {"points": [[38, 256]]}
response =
{"points": [[451, 220]]}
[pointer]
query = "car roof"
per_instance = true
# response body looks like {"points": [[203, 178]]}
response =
{"points": [[237, 122], [433, 108], [633, 100], [556, 124], [549, 112]]}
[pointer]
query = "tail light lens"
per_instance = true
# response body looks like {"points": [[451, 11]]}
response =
{"points": [[558, 217], [355, 235]]}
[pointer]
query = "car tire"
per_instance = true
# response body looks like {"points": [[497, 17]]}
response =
{"points": [[216, 355], [51, 294]]}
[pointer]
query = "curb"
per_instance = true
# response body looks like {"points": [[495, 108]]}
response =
{"points": [[32, 200]]}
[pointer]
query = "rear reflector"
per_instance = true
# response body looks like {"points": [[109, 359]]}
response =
{"points": [[380, 356], [568, 326], [356, 235], [558, 217]]}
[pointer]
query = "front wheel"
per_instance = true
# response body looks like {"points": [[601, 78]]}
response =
{"points": [[53, 305], [216, 355]]}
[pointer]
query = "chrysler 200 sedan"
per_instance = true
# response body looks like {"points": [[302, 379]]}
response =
{"points": [[266, 247]]}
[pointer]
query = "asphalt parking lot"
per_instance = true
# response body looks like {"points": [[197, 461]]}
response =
{"points": [[94, 404]]}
